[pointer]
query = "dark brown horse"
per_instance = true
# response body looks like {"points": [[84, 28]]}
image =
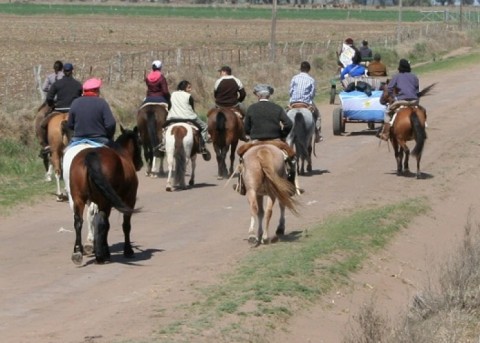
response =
{"points": [[408, 124], [264, 175], [151, 118], [225, 130], [103, 178]]}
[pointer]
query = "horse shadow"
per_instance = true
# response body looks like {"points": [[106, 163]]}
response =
{"points": [[366, 132], [292, 236], [116, 251], [423, 176], [315, 172]]}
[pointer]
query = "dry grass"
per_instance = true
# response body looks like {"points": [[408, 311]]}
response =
{"points": [[449, 312]]}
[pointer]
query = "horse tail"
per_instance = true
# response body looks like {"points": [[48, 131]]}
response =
{"points": [[180, 160], [221, 128], [300, 133], [152, 127], [420, 134], [426, 90], [279, 187], [95, 176]]}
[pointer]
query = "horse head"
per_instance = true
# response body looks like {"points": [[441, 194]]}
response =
{"points": [[129, 141]]}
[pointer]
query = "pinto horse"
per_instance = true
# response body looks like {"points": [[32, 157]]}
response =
{"points": [[151, 118], [301, 137], [225, 130], [408, 124], [182, 143], [103, 178], [264, 175]]}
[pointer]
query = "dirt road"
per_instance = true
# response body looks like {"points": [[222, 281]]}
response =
{"points": [[185, 240]]}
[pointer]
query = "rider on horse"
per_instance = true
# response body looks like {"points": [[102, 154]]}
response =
{"points": [[404, 88], [183, 109], [157, 87], [90, 116], [267, 123], [230, 93], [59, 98], [302, 92]]}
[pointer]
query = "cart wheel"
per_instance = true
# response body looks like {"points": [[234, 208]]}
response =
{"points": [[371, 125], [338, 122], [333, 93]]}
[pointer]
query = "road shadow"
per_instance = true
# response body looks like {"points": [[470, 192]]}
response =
{"points": [[315, 172], [292, 236], [116, 251], [411, 175]]}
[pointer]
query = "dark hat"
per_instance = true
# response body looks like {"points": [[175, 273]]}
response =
{"points": [[226, 69], [349, 41], [404, 66], [67, 67]]}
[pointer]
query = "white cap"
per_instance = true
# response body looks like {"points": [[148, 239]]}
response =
{"points": [[157, 64]]}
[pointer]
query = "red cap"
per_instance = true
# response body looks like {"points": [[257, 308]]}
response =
{"points": [[91, 84]]}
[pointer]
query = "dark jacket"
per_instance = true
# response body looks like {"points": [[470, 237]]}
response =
{"points": [[91, 117], [66, 90], [263, 119], [158, 88], [404, 86], [229, 91]]}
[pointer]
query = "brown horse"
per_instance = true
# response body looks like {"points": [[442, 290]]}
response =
{"points": [[39, 117], [225, 130], [151, 118], [264, 174], [103, 177], [408, 124]]}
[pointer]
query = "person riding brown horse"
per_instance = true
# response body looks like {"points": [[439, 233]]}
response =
{"points": [[267, 123]]}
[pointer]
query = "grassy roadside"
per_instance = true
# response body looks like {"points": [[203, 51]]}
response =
{"points": [[275, 281]]}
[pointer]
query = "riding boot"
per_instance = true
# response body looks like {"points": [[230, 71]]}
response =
{"points": [[385, 134], [318, 136]]}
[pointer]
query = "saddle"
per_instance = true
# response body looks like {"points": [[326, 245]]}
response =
{"points": [[288, 151], [301, 105], [169, 122], [164, 104], [235, 109]]}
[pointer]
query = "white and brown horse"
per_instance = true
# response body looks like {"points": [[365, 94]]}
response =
{"points": [[181, 146], [264, 175]]}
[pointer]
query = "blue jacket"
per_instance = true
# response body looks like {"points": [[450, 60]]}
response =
{"points": [[352, 70]]}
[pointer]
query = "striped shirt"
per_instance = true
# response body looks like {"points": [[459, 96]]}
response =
{"points": [[302, 88]]}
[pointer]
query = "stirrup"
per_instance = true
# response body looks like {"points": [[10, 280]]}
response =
{"points": [[206, 154], [160, 147]]}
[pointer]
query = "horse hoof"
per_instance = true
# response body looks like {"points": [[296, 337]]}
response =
{"points": [[168, 188], [77, 258], [274, 239], [219, 177], [88, 249], [191, 183], [252, 240]]}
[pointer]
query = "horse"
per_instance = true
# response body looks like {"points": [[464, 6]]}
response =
{"points": [[225, 130], [104, 178], [58, 136], [264, 175], [181, 145], [301, 137], [151, 118], [408, 124]]}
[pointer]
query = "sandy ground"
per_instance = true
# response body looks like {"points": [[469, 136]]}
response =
{"points": [[186, 240]]}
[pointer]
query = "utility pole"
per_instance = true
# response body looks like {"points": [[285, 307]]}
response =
{"points": [[272, 34], [399, 25]]}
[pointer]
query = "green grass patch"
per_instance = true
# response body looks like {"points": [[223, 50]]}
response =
{"points": [[21, 175], [276, 280], [209, 12], [449, 63]]}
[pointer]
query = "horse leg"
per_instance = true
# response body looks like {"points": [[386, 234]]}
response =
{"points": [[55, 159], [101, 227], [192, 175], [77, 255], [220, 162], [253, 200], [406, 168], [281, 223], [419, 173], [233, 148], [268, 217], [91, 212], [223, 169], [48, 174], [127, 227], [309, 158], [169, 188], [260, 216]]}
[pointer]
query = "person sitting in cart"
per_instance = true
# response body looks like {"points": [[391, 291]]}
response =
{"points": [[376, 67], [355, 69]]}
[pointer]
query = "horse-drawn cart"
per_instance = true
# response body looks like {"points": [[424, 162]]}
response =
{"points": [[358, 107]]}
